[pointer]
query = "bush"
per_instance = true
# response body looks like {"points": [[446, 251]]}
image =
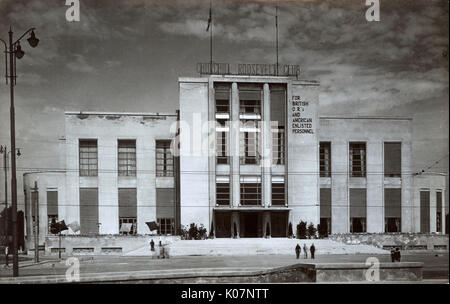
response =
{"points": [[311, 231], [301, 230], [193, 231], [322, 229], [202, 233]]}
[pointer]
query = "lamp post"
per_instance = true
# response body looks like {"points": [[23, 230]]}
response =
{"points": [[15, 51]]}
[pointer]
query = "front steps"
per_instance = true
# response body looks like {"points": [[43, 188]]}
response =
{"points": [[255, 246]]}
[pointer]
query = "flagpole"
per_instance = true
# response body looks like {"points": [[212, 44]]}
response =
{"points": [[276, 26], [210, 38]]}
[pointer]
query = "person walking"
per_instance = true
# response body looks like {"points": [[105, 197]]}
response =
{"points": [[305, 250], [152, 245], [312, 249], [298, 249]]}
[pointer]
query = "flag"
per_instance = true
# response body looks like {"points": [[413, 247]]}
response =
{"points": [[152, 225], [209, 19]]}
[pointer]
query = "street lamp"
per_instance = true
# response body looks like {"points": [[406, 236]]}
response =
{"points": [[15, 51]]}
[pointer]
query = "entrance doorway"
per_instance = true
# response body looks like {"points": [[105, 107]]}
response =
{"points": [[223, 224], [249, 224], [279, 223]]}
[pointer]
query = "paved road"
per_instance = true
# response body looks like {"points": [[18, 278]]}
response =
{"points": [[436, 266]]}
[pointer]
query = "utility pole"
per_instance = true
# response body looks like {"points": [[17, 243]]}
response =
{"points": [[4, 150], [36, 223]]}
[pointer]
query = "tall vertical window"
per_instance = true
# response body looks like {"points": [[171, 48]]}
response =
{"points": [[52, 207], [358, 211], [127, 157], [222, 139], [250, 191], [89, 223], [164, 158], [277, 118], [127, 210], [392, 159], [325, 210], [357, 159], [392, 210], [278, 145], [325, 159], [250, 148], [250, 100], [438, 211], [88, 154], [278, 191], [223, 191], [425, 211], [222, 97]]}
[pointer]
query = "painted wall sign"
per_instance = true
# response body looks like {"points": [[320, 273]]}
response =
{"points": [[302, 121]]}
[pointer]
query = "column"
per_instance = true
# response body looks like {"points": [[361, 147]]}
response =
{"points": [[266, 220], [339, 187], [375, 180], [234, 142], [235, 222], [266, 150]]}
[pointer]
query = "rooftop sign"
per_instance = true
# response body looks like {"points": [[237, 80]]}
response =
{"points": [[249, 69]]}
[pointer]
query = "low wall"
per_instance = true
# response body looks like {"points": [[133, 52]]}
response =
{"points": [[357, 272], [102, 244], [405, 241], [307, 273]]}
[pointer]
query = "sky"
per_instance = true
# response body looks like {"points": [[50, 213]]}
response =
{"points": [[127, 56]]}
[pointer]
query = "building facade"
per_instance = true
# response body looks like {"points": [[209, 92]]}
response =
{"points": [[245, 156]]}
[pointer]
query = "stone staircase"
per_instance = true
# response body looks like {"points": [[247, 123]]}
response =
{"points": [[256, 246]]}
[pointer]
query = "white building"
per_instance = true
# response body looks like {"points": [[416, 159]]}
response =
{"points": [[255, 156]]}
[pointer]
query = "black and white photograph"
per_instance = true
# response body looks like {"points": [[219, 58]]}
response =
{"points": [[224, 146]]}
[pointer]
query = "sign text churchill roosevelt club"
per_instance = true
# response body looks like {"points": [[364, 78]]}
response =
{"points": [[246, 69]]}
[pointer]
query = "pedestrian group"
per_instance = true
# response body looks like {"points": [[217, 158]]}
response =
{"points": [[298, 250]]}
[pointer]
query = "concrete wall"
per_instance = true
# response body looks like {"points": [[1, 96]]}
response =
{"points": [[194, 163], [108, 129], [374, 131], [303, 153]]}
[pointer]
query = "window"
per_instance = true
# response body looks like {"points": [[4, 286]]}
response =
{"points": [[250, 100], [52, 207], [438, 211], [127, 210], [357, 210], [88, 154], [325, 159], [127, 225], [325, 211], [222, 96], [392, 210], [223, 192], [392, 159], [250, 191], [164, 158], [425, 211], [278, 146], [357, 159], [127, 157], [89, 223], [278, 198], [165, 226], [249, 144], [222, 147]]}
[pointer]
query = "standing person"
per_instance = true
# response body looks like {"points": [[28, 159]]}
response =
{"points": [[313, 249], [305, 250], [152, 245], [298, 249]]}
